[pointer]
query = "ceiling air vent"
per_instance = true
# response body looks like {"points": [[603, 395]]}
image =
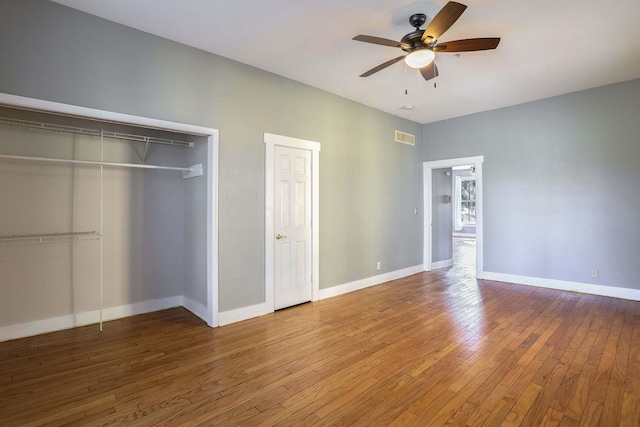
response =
{"points": [[405, 138]]}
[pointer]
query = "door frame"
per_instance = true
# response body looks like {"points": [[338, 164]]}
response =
{"points": [[428, 167], [271, 141]]}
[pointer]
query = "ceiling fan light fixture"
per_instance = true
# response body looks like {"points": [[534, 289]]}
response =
{"points": [[420, 58]]}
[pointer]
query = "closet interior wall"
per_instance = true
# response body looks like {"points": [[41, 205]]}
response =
{"points": [[154, 222]]}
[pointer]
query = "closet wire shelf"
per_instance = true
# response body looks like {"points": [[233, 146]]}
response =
{"points": [[93, 132], [187, 172], [48, 238]]}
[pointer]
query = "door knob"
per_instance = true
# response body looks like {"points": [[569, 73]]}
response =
{"points": [[280, 236]]}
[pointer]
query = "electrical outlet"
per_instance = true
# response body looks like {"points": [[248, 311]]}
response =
{"points": [[594, 272], [378, 266]]}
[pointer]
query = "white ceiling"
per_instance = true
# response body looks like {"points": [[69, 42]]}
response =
{"points": [[548, 47]]}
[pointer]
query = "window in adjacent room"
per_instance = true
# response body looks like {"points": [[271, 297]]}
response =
{"points": [[465, 201]]}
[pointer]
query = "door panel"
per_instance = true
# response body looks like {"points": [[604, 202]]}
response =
{"points": [[293, 227]]}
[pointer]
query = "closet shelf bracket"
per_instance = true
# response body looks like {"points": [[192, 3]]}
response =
{"points": [[194, 171]]}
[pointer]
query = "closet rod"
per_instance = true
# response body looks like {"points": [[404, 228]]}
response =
{"points": [[81, 235], [93, 132], [92, 162]]}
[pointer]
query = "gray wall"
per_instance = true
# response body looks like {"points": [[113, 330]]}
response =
{"points": [[560, 183], [369, 185], [441, 221]]}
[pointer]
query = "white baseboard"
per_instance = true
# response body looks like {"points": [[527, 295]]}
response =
{"points": [[43, 326], [195, 307], [244, 313], [562, 285], [369, 281], [442, 264]]}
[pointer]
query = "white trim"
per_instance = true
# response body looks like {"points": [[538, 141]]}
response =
{"points": [[450, 163], [427, 184], [441, 264], [109, 116], [269, 227], [213, 149], [287, 141], [212, 170], [52, 324], [244, 313], [196, 308], [369, 281], [464, 235], [562, 285], [271, 141]]}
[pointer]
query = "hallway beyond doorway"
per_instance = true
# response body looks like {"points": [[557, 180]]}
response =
{"points": [[464, 256]]}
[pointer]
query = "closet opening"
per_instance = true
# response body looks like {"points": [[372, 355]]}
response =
{"points": [[102, 216]]}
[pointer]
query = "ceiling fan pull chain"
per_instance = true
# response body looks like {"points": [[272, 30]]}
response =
{"points": [[406, 92]]}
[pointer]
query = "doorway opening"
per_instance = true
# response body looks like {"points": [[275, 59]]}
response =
{"points": [[463, 207], [459, 196]]}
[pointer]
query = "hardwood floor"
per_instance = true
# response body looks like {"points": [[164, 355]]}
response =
{"points": [[431, 349]]}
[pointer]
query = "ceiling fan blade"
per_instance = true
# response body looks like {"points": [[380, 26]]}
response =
{"points": [[382, 66], [442, 21], [377, 40], [429, 71], [468, 45]]}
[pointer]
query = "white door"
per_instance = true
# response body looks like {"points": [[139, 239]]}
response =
{"points": [[292, 237]]}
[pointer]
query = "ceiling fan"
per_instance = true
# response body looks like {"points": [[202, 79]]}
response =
{"points": [[421, 45]]}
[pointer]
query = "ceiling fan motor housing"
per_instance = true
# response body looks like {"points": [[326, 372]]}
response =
{"points": [[413, 40], [421, 45]]}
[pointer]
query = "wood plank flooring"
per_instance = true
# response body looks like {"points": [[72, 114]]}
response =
{"points": [[430, 349]]}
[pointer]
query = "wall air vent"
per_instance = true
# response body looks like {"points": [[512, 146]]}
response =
{"points": [[405, 138]]}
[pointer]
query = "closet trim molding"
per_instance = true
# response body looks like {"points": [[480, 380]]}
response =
{"points": [[212, 136]]}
